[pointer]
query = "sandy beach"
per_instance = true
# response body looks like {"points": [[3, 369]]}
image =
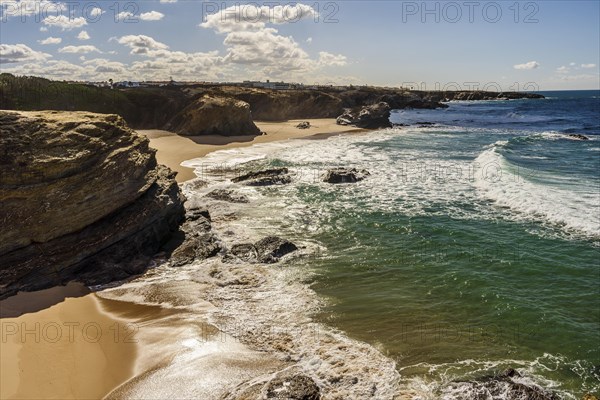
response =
{"points": [[72, 350], [173, 149]]}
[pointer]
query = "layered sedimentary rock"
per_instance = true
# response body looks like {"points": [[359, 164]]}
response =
{"points": [[81, 198], [215, 115]]}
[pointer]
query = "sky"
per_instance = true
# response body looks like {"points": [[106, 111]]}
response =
{"points": [[507, 45]]}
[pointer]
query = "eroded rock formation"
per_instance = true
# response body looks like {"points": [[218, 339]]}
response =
{"points": [[215, 115], [375, 116], [345, 175], [81, 198]]}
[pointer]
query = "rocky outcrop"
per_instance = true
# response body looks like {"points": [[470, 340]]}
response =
{"points": [[227, 195], [195, 239], [283, 105], [345, 175], [267, 177], [81, 198], [474, 95], [578, 136], [375, 116], [268, 250], [505, 386], [215, 108], [285, 385], [215, 115]]}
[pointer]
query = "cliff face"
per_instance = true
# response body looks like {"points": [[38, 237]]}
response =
{"points": [[81, 198], [282, 105], [216, 109], [214, 115]]}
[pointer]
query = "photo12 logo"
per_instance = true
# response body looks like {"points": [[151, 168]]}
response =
{"points": [[271, 12], [453, 12]]}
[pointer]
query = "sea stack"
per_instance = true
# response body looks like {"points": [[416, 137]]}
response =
{"points": [[82, 198]]}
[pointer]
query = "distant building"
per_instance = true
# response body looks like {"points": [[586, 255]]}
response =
{"points": [[127, 84], [273, 85]]}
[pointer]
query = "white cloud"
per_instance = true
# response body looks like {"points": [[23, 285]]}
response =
{"points": [[50, 40], [14, 53], [309, 40], [572, 64], [83, 35], [126, 16], [168, 1], [102, 65], [588, 66], [152, 16], [562, 70], [243, 17], [96, 12], [141, 44], [79, 49], [328, 59], [528, 66], [251, 43], [64, 22]]}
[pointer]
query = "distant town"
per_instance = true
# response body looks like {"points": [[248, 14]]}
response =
{"points": [[252, 84]]}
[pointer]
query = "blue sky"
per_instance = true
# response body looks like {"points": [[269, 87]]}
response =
{"points": [[523, 45]]}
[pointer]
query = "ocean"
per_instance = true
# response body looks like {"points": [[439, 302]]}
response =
{"points": [[473, 246]]}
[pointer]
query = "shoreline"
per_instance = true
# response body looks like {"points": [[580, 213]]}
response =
{"points": [[173, 149], [111, 364]]}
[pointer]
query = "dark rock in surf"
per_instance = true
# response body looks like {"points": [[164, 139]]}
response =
{"points": [[295, 387], [227, 195], [195, 240], [272, 248], [345, 175], [503, 384], [268, 177], [268, 250], [245, 252], [289, 385], [578, 136]]}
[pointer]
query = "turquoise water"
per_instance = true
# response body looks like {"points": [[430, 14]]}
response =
{"points": [[474, 245]]}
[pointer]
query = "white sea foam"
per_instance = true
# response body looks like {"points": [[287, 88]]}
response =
{"points": [[575, 209]]}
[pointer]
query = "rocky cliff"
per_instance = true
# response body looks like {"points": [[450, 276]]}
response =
{"points": [[81, 198], [219, 109]]}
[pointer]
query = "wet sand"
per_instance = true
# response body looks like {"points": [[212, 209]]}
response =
{"points": [[173, 149], [72, 350]]}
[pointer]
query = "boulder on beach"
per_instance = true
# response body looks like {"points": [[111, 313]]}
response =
{"points": [[345, 175], [81, 198], [374, 116], [303, 125], [267, 177]]}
